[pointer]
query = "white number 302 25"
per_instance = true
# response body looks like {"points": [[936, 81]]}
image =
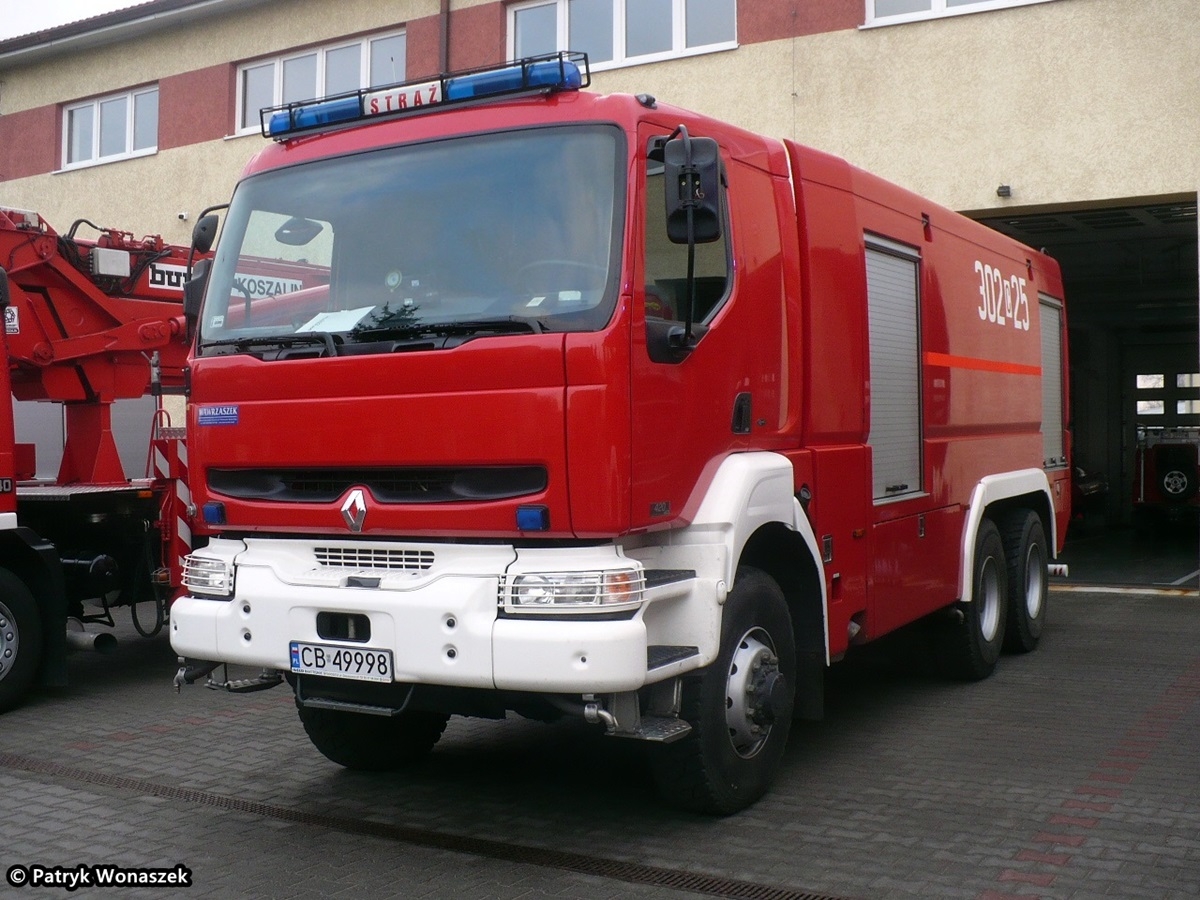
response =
{"points": [[1002, 300]]}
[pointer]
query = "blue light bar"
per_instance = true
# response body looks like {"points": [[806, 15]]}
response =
{"points": [[553, 74], [566, 71]]}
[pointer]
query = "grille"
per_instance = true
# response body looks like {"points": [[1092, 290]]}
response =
{"points": [[374, 558], [403, 485]]}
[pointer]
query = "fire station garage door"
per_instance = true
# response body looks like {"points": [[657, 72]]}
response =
{"points": [[1130, 273]]}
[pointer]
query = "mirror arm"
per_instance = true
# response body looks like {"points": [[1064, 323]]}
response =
{"points": [[686, 178], [690, 285]]}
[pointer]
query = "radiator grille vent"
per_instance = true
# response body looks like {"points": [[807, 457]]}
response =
{"points": [[375, 558]]}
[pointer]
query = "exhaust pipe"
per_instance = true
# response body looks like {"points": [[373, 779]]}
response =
{"points": [[101, 642]]}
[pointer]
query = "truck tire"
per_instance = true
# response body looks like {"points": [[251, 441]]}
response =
{"points": [[1178, 485], [969, 644], [739, 707], [1178, 480], [368, 743], [1026, 551], [20, 640]]}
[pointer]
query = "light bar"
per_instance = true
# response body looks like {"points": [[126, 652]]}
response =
{"points": [[565, 71]]}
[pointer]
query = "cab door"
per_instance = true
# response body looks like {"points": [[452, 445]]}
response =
{"points": [[692, 406]]}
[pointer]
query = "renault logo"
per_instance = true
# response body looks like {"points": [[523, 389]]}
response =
{"points": [[354, 510]]}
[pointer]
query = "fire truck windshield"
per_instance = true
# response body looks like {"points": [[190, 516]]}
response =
{"points": [[474, 236]]}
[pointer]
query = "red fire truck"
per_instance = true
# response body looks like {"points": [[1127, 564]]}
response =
{"points": [[602, 408], [89, 323]]}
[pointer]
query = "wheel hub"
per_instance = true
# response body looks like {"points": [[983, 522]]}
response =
{"points": [[756, 693], [989, 600], [1175, 482], [1035, 573], [10, 640]]}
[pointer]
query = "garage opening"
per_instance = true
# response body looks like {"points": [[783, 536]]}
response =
{"points": [[1131, 276]]}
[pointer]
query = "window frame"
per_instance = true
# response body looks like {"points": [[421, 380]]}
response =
{"points": [[94, 158], [939, 10], [679, 48], [321, 51]]}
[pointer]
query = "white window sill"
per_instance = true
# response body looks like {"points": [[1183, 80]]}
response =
{"points": [[906, 18], [610, 65], [104, 161]]}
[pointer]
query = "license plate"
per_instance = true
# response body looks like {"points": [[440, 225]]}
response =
{"points": [[334, 661]]}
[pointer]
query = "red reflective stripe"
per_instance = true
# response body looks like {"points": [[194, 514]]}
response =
{"points": [[980, 365]]}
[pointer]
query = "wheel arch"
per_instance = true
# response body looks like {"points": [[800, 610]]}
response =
{"points": [[751, 503], [995, 495], [788, 556]]}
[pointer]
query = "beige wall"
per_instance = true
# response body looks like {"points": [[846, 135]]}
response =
{"points": [[1073, 101], [143, 195]]}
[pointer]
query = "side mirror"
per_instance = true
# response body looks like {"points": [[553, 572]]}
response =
{"points": [[4, 299], [193, 293], [204, 234], [691, 180]]}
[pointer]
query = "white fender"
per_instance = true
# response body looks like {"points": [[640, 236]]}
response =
{"points": [[990, 489], [748, 491]]}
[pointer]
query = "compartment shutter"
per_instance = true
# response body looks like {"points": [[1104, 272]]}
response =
{"points": [[894, 328], [1053, 452]]}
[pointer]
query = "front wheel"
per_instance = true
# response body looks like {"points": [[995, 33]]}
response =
{"points": [[369, 743], [20, 640], [739, 707]]}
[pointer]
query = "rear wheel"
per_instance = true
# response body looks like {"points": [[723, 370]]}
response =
{"points": [[20, 640], [1025, 548], [969, 645], [370, 743], [739, 707]]}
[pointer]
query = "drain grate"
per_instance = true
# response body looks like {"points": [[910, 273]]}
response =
{"points": [[619, 870]]}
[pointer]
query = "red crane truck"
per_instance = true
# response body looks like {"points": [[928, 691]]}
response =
{"points": [[88, 323], [590, 406]]}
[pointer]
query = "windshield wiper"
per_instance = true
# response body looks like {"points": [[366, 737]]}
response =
{"points": [[498, 325], [277, 342]]}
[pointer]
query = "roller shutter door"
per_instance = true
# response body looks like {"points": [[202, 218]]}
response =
{"points": [[892, 307], [1053, 453]]}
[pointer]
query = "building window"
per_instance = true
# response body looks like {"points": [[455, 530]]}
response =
{"points": [[622, 32], [895, 12], [110, 128], [316, 73]]}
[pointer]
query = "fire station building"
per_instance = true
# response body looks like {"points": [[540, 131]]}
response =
{"points": [[1073, 125]]}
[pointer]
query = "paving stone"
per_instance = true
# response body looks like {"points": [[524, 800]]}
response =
{"points": [[911, 787]]}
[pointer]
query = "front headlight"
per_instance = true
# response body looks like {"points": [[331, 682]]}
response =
{"points": [[208, 577], [575, 591]]}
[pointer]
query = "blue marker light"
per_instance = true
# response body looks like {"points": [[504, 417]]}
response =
{"points": [[214, 513], [533, 518]]}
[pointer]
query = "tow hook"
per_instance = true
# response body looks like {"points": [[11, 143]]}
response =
{"points": [[191, 672], [188, 674], [593, 712]]}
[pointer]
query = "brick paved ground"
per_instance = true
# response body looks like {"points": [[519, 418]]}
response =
{"points": [[1073, 772]]}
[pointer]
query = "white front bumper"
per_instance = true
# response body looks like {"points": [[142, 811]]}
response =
{"points": [[442, 624]]}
